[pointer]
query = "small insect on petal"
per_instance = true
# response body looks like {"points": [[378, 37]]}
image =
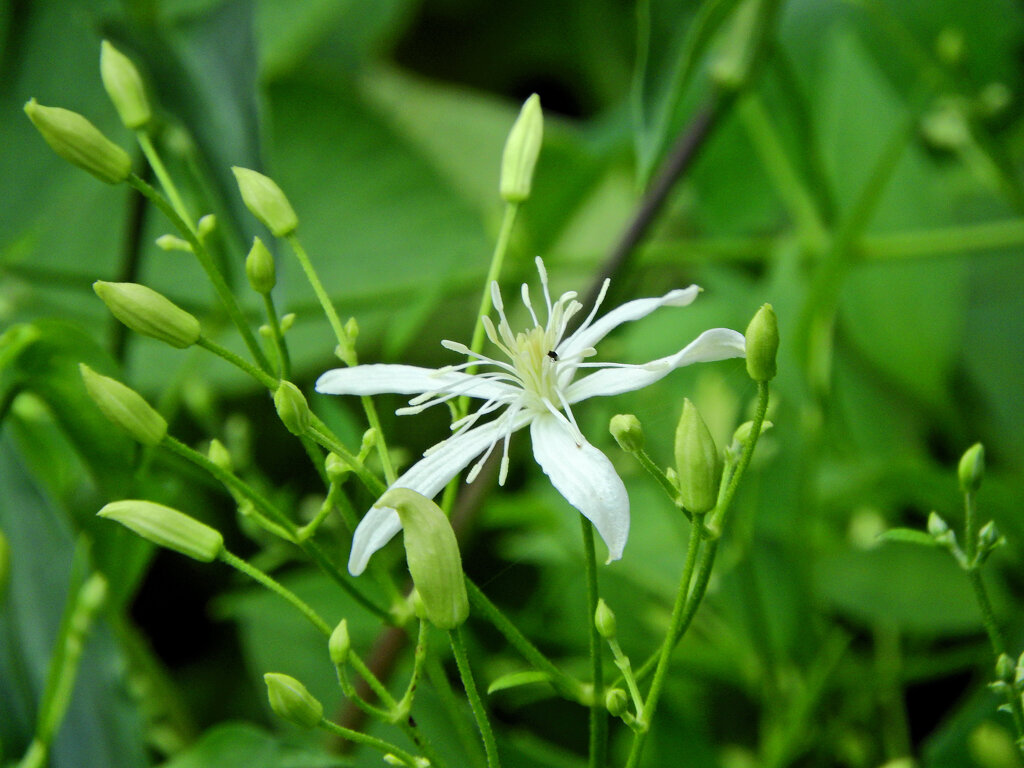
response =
{"points": [[553, 355]]}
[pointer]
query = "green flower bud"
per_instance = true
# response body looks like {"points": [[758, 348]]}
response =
{"points": [[521, 150], [368, 443], [92, 595], [147, 312], [339, 644], [287, 321], [5, 563], [937, 527], [220, 455], [266, 201], [337, 468], [949, 46], [616, 701], [80, 142], [290, 700], [992, 746], [628, 432], [972, 468], [742, 433], [167, 528], [432, 554], [172, 243], [206, 225], [259, 268], [697, 462], [124, 87], [124, 407], [292, 407], [604, 620], [730, 67], [762, 344], [1005, 668]]}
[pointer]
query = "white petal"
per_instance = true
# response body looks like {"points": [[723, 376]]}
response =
{"points": [[589, 335], [716, 344], [406, 380], [427, 476], [586, 478]]}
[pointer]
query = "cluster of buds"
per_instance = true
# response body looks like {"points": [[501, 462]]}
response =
{"points": [[1009, 677]]}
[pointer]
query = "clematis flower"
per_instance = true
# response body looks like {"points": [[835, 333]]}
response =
{"points": [[535, 386]]}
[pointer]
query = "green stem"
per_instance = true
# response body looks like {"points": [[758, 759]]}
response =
{"points": [[372, 680], [475, 703], [598, 713], [280, 345], [370, 741], [666, 485], [626, 669], [443, 687], [165, 179], [264, 378]]}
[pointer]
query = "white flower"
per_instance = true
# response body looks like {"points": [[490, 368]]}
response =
{"points": [[535, 386]]}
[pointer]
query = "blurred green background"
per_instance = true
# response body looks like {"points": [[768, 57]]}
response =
{"points": [[864, 176]]}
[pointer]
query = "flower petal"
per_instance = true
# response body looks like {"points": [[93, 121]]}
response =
{"points": [[406, 380], [590, 335], [427, 476], [586, 478], [716, 344]]}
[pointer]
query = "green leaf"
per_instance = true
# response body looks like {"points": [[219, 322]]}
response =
{"points": [[516, 679], [242, 745], [909, 536]]}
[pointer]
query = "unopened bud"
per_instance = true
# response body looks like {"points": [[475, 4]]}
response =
{"points": [[616, 702], [742, 433], [521, 150], [337, 468], [125, 407], [949, 46], [368, 442], [339, 644], [762, 344], [937, 527], [124, 87], [287, 321], [93, 594], [972, 468], [697, 462], [172, 243], [266, 201], [259, 268], [628, 432], [604, 620], [292, 407], [167, 528], [730, 66], [992, 746], [352, 330], [80, 142], [206, 225], [220, 455], [147, 312], [290, 700], [1005, 668]]}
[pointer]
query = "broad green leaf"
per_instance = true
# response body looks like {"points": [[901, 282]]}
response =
{"points": [[909, 536], [517, 679], [243, 745]]}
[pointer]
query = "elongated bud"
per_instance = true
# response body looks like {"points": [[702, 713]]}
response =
{"points": [[616, 701], [432, 554], [628, 432], [972, 468], [697, 461], [337, 468], [220, 455], [292, 408], [730, 68], [521, 150], [93, 595], [167, 528], [147, 312], [339, 644], [937, 527], [762, 344], [742, 433], [290, 700], [604, 620], [206, 226], [259, 268], [124, 87], [80, 142], [172, 243], [124, 407], [266, 201]]}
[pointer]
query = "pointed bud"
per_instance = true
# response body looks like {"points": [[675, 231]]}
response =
{"points": [[1005, 668], [80, 142], [521, 150], [697, 461], [604, 620], [339, 644], [172, 243], [124, 407], [432, 554], [616, 702], [259, 268], [124, 87], [220, 455], [167, 528], [368, 442], [287, 321], [337, 468], [762, 344], [290, 700], [292, 407], [93, 594], [206, 226], [972, 468], [742, 433], [628, 432], [266, 201], [147, 312]]}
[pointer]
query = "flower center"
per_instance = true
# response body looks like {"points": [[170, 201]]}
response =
{"points": [[534, 365]]}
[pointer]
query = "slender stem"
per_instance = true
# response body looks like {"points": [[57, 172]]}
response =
{"points": [[493, 273], [370, 741], [284, 359], [666, 485], [372, 680], [405, 703], [598, 713], [264, 378], [165, 178], [626, 668], [443, 687], [475, 703]]}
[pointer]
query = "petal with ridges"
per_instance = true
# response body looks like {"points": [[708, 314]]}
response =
{"points": [[407, 380]]}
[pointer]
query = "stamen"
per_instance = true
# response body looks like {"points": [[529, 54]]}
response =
{"points": [[529, 306], [544, 282]]}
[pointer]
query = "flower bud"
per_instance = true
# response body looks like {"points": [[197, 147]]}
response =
{"points": [[1005, 668], [206, 226], [604, 620], [292, 407], [432, 554], [92, 595], [616, 702], [220, 455], [521, 150], [259, 268], [972, 468], [290, 700], [337, 468], [762, 344], [124, 407], [80, 142], [742, 433], [124, 87], [937, 527], [147, 312], [167, 527], [172, 243], [697, 462], [628, 432], [339, 644], [949, 46], [266, 201]]}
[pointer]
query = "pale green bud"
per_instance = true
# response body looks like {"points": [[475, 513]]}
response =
{"points": [[937, 527], [172, 243], [521, 150], [628, 432], [287, 321], [949, 46], [368, 442], [604, 620], [697, 461], [220, 455], [206, 226], [730, 67], [337, 468], [124, 87], [292, 407], [742, 433], [972, 468], [992, 746], [290, 700], [266, 201], [167, 528], [80, 142], [259, 268], [339, 644], [352, 330], [432, 554], [1005, 668], [93, 594], [147, 312], [762, 344], [616, 702], [124, 407]]}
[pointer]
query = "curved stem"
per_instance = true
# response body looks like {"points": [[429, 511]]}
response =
{"points": [[370, 741], [598, 713], [284, 359], [475, 703]]}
